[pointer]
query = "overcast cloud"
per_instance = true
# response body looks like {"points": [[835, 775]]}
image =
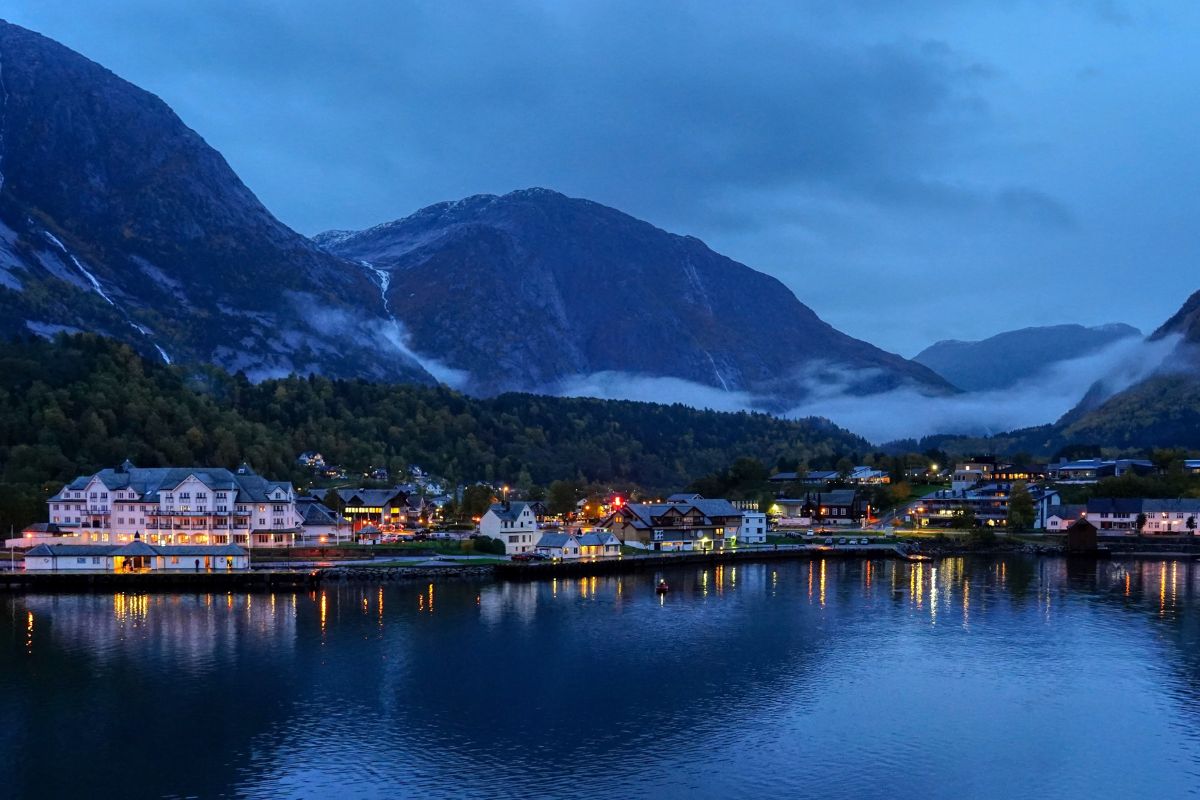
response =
{"points": [[913, 171]]}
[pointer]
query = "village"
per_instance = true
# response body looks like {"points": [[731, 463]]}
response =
{"points": [[129, 519]]}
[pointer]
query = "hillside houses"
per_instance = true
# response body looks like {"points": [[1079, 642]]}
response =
{"points": [[1094, 469], [861, 475]]}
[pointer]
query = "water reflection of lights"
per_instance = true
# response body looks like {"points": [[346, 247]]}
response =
{"points": [[131, 608], [425, 600], [822, 583], [324, 605], [966, 602], [933, 595], [1162, 588], [29, 632]]}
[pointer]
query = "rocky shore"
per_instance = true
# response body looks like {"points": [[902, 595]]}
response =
{"points": [[369, 574]]}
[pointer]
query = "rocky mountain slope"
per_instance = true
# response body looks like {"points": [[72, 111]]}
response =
{"points": [[532, 290], [1006, 359], [115, 217]]}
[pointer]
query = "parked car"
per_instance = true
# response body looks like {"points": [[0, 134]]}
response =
{"points": [[829, 541], [842, 540], [524, 557], [810, 533]]}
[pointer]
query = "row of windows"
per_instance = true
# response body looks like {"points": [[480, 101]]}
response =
{"points": [[220, 509]]}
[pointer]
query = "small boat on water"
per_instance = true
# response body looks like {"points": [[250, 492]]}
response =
{"points": [[662, 587]]}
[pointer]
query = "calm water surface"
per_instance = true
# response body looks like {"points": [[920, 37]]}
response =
{"points": [[836, 679]]}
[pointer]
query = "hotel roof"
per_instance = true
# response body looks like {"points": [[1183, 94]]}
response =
{"points": [[148, 482]]}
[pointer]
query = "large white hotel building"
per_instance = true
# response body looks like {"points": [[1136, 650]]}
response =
{"points": [[177, 505]]}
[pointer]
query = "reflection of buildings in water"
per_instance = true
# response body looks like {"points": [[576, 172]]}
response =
{"points": [[191, 631], [517, 600]]}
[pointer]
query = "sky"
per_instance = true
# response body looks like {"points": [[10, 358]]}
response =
{"points": [[915, 171]]}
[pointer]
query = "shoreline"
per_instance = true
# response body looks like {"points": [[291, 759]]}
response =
{"points": [[266, 581]]}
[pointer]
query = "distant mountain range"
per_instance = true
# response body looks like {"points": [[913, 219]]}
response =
{"points": [[533, 289], [115, 217], [1006, 359]]}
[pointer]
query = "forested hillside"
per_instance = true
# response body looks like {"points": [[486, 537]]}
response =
{"points": [[82, 402]]}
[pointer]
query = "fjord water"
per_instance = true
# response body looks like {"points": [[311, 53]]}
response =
{"points": [[1016, 677]]}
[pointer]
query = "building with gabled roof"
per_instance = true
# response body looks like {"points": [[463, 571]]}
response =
{"points": [[136, 556], [387, 509], [514, 523], [833, 507], [697, 524], [1063, 516], [177, 506], [320, 524]]}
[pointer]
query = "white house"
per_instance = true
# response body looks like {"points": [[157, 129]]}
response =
{"points": [[593, 544], [513, 523], [599, 542], [753, 529], [558, 545], [1172, 516], [1064, 516], [177, 506], [137, 556]]}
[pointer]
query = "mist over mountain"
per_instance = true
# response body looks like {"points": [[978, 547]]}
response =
{"points": [[117, 218], [1008, 358], [533, 290]]}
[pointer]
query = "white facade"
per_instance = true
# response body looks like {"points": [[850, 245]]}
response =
{"points": [[514, 524], [136, 557], [753, 529], [558, 545], [1172, 516], [177, 506], [1056, 523]]}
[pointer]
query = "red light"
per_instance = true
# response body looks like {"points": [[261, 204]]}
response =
{"points": [[617, 501]]}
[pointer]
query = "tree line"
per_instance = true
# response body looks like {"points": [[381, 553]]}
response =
{"points": [[79, 403]]}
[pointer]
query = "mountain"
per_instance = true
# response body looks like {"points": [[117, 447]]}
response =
{"points": [[532, 290], [117, 218], [1161, 411], [1185, 322], [1006, 359]]}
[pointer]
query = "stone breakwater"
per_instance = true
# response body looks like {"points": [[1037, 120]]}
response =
{"points": [[369, 574]]}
